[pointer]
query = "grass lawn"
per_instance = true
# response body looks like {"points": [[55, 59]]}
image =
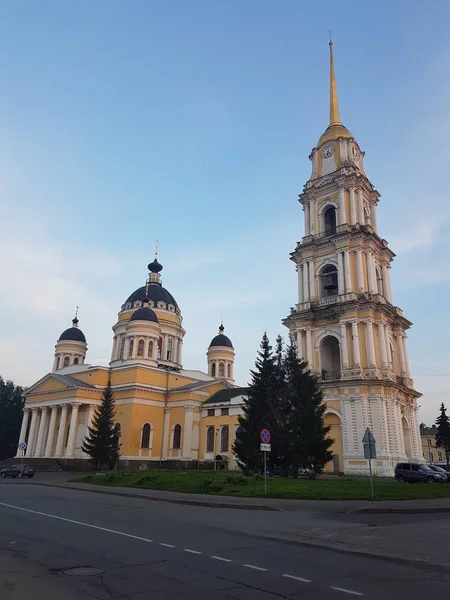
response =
{"points": [[235, 484]]}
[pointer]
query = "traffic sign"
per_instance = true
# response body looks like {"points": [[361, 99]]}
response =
{"points": [[265, 436], [368, 437], [370, 451], [266, 448], [22, 446]]}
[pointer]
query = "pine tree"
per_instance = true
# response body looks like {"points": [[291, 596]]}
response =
{"points": [[443, 432], [102, 444], [11, 413], [257, 410], [307, 440]]}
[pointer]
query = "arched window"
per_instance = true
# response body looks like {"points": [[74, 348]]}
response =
{"points": [[176, 445], [117, 433], [330, 358], [75, 361], [122, 348], [221, 370], [229, 370], [159, 347], [367, 218], [145, 436], [140, 351], [213, 369], [379, 282], [150, 349], [210, 439], [130, 349], [439, 456], [169, 349], [224, 438], [328, 281], [329, 220], [66, 361]]}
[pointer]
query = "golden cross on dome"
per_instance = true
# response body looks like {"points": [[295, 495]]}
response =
{"points": [[157, 246], [76, 312]]}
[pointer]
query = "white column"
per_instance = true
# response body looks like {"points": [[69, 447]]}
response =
{"points": [[135, 345], [114, 348], [312, 283], [401, 354], [307, 219], [370, 345], [55, 363], [187, 433], [342, 211], [23, 429], [360, 206], [309, 348], [348, 275], [352, 206], [386, 283], [356, 351], [70, 450], [51, 432], [118, 344], [405, 355], [61, 432], [305, 282], [371, 272], [344, 345], [40, 438], [32, 434], [300, 345], [373, 217], [166, 431], [146, 340], [382, 336], [341, 276], [359, 272], [127, 348], [300, 283]]}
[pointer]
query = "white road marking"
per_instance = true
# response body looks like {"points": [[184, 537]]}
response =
{"points": [[192, 551], [296, 578], [338, 589], [167, 545], [221, 558], [36, 512], [255, 567]]}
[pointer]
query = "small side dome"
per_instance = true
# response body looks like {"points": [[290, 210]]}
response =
{"points": [[73, 333], [221, 339], [144, 314]]}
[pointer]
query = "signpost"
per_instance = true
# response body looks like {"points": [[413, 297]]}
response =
{"points": [[370, 451], [265, 448], [23, 447]]}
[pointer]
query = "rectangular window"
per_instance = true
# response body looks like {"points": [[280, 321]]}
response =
{"points": [[211, 412], [225, 411]]}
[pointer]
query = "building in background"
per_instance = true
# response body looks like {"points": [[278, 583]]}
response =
{"points": [[345, 322], [431, 452]]}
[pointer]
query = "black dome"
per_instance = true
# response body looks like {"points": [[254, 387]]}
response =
{"points": [[221, 340], [155, 266], [144, 314], [74, 334], [154, 292]]}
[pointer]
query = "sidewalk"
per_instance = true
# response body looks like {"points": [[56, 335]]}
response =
{"points": [[405, 537]]}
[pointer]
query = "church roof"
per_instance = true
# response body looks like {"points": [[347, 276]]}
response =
{"points": [[154, 292], [73, 333], [226, 395]]}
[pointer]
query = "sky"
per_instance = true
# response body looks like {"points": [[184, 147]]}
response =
{"points": [[191, 123]]}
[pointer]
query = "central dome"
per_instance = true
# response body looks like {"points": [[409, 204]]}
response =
{"points": [[155, 292]]}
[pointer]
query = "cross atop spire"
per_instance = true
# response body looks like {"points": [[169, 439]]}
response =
{"points": [[156, 249], [335, 118]]}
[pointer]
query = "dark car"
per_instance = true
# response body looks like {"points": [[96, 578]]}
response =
{"points": [[416, 473], [17, 471], [439, 469]]}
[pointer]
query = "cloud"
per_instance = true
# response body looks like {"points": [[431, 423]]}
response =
{"points": [[420, 237]]}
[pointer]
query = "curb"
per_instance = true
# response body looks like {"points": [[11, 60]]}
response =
{"points": [[262, 507], [400, 511]]}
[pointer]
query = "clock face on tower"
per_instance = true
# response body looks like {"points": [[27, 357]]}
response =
{"points": [[327, 151]]}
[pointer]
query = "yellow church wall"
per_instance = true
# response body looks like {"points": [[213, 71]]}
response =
{"points": [[335, 434], [52, 384], [217, 422], [94, 376]]}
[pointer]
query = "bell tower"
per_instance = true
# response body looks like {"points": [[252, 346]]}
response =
{"points": [[345, 323]]}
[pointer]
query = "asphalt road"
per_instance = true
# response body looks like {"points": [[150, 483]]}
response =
{"points": [[143, 550]]}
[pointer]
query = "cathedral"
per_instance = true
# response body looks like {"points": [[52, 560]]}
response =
{"points": [[344, 325]]}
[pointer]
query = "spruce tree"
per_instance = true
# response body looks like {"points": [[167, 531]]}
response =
{"points": [[308, 444], [257, 410], [102, 444], [11, 413], [443, 432]]}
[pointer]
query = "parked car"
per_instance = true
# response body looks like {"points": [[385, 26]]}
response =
{"points": [[17, 471], [415, 473], [439, 469]]}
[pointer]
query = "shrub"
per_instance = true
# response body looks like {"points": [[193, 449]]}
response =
{"points": [[236, 479], [113, 476], [148, 479], [209, 484]]}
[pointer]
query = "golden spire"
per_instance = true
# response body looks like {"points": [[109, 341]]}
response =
{"points": [[334, 104]]}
